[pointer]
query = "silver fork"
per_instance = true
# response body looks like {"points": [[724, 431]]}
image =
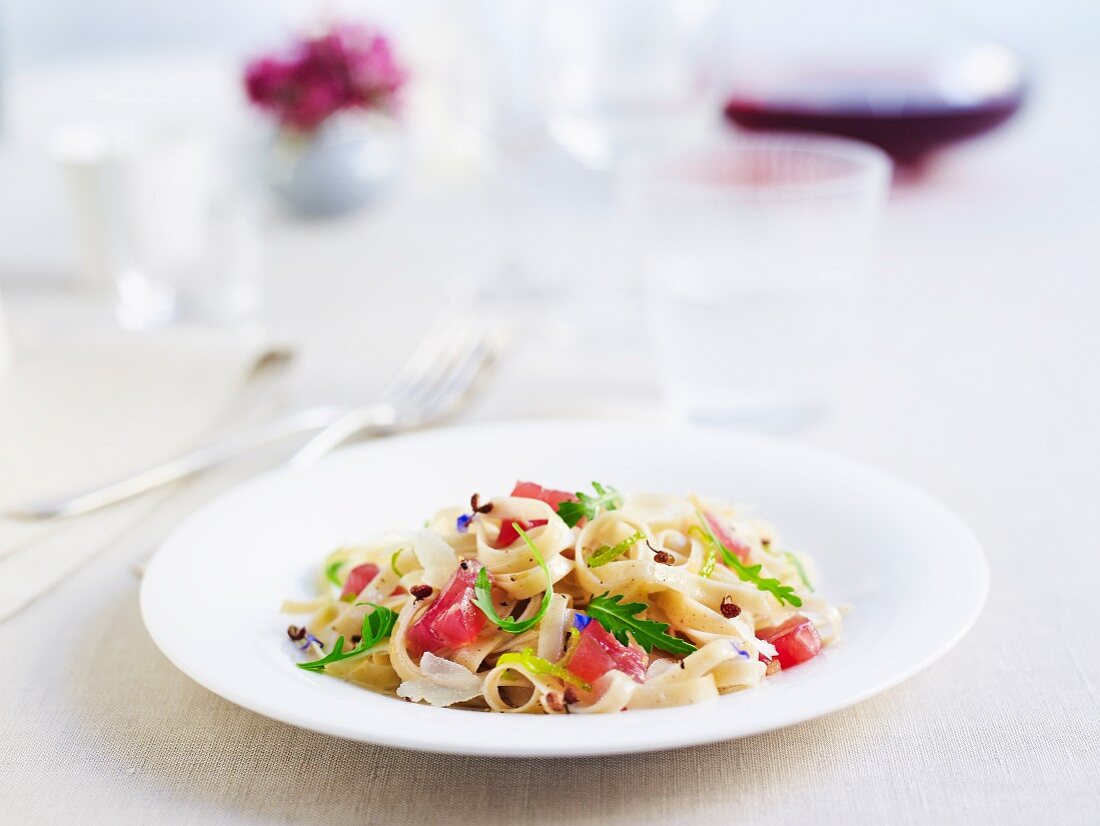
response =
{"points": [[429, 387]]}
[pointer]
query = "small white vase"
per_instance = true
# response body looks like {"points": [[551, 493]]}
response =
{"points": [[344, 164]]}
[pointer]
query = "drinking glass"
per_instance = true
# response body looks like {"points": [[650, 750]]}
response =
{"points": [[168, 217], [909, 77], [622, 74], [750, 254]]}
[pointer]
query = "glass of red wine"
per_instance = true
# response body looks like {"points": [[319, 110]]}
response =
{"points": [[886, 73]]}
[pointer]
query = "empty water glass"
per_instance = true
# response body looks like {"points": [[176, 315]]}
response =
{"points": [[750, 254], [168, 217], [625, 74]]}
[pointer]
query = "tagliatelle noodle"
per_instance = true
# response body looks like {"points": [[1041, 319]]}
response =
{"points": [[661, 568]]}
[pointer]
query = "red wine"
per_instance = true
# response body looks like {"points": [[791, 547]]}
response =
{"points": [[907, 123]]}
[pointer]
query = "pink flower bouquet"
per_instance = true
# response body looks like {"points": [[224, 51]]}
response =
{"points": [[349, 68]]}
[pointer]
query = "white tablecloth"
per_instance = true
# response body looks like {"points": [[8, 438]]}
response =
{"points": [[980, 385]]}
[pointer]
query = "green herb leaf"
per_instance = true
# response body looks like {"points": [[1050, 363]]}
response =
{"points": [[609, 553], [750, 573], [377, 626], [710, 556], [618, 619], [589, 506], [537, 665], [331, 572], [794, 560], [483, 594], [393, 562]]}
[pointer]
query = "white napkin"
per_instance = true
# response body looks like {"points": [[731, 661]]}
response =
{"points": [[81, 414]]}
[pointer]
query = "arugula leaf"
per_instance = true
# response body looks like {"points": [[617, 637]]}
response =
{"points": [[393, 562], [618, 619], [483, 594], [794, 560], [377, 626], [331, 573], [589, 506], [609, 553], [750, 573], [537, 665]]}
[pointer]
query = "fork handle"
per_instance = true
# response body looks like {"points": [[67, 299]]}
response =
{"points": [[180, 467], [376, 417]]}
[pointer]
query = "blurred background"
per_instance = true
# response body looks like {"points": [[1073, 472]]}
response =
{"points": [[871, 225], [501, 164]]}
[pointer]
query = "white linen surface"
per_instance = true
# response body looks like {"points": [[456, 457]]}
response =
{"points": [[86, 411]]}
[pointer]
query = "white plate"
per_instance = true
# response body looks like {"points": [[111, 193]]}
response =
{"points": [[911, 570]]}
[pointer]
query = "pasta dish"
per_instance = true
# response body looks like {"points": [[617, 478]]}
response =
{"points": [[551, 602]]}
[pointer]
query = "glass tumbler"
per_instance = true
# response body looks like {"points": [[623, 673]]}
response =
{"points": [[620, 75], [750, 253], [170, 218]]}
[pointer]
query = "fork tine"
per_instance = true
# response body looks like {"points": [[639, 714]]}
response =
{"points": [[428, 378], [449, 362], [423, 358], [449, 393]]}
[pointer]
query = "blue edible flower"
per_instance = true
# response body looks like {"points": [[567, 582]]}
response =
{"points": [[308, 641], [580, 621], [462, 524], [743, 653]]}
